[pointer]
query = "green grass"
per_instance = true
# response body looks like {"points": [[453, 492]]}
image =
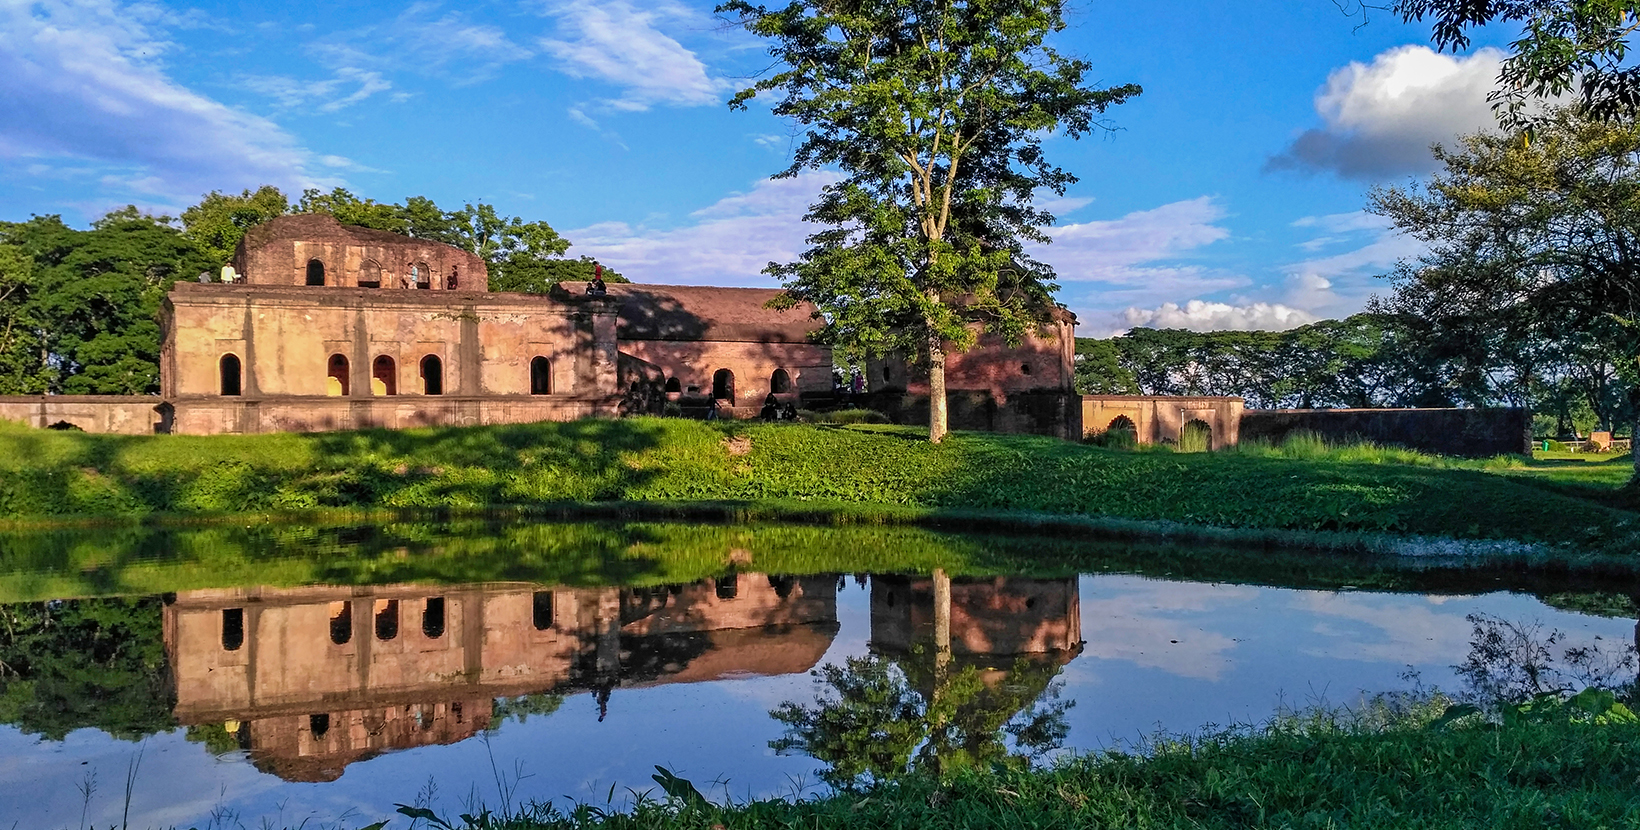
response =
{"points": [[1311, 771], [1352, 490]]}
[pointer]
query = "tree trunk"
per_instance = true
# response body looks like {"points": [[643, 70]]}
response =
{"points": [[938, 414]]}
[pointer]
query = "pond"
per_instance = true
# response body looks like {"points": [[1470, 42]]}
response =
{"points": [[291, 673]]}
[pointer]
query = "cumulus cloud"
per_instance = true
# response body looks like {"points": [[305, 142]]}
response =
{"points": [[1201, 315], [727, 243], [82, 79], [620, 43], [1379, 118]]}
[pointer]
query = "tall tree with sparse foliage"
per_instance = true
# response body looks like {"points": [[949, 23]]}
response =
{"points": [[935, 112], [1533, 247]]}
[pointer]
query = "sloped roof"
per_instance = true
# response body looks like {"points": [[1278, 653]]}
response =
{"points": [[696, 312]]}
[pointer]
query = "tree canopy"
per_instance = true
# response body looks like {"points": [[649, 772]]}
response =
{"points": [[1533, 254], [935, 112], [1566, 45]]}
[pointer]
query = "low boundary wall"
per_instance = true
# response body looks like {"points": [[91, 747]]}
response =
{"points": [[114, 414], [1473, 433], [1046, 412], [216, 415], [1161, 419]]}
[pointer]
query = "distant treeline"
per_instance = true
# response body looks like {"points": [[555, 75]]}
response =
{"points": [[79, 309], [1367, 360]]}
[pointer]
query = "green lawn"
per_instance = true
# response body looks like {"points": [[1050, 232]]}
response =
{"points": [[1359, 490]]}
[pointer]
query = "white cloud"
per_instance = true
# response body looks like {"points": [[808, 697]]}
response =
{"points": [[619, 43], [1380, 118], [291, 93], [729, 243], [1122, 251], [1200, 315], [82, 80]]}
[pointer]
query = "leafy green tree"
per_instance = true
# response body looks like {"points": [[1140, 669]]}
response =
{"points": [[23, 368], [1529, 245], [353, 210], [220, 220], [95, 297], [71, 664], [1565, 44], [935, 112]]}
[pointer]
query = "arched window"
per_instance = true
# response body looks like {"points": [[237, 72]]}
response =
{"points": [[1121, 434], [542, 611], [1025, 368], [723, 386], [672, 385], [230, 374], [233, 628], [370, 274], [424, 275], [540, 376], [432, 375], [1196, 436], [338, 383], [432, 618], [341, 622], [728, 587], [315, 272], [318, 725], [384, 376], [780, 383], [387, 619]]}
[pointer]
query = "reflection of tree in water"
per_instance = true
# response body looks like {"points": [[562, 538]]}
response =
{"points": [[1512, 662], [94, 662], [877, 718]]}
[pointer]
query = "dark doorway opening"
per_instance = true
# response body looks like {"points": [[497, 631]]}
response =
{"points": [[540, 376], [432, 375], [231, 374], [339, 382], [315, 272], [723, 386], [780, 383], [385, 376]]}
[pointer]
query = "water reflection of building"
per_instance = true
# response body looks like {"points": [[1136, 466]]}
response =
{"points": [[990, 618], [312, 679]]}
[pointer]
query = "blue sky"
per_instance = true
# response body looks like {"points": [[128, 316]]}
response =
{"points": [[1229, 197]]}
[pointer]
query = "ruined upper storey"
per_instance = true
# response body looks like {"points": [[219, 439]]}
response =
{"points": [[317, 250]]}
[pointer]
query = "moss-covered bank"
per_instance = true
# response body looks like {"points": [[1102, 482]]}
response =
{"points": [[51, 474]]}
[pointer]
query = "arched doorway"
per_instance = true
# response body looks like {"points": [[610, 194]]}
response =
{"points": [[231, 374], [424, 276], [370, 274], [315, 272], [384, 376], [432, 375], [673, 386], [337, 384], [723, 386], [1122, 433], [780, 382], [540, 376], [1196, 436]]}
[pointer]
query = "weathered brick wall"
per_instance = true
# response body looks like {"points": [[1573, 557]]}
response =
{"points": [[213, 415], [1033, 412], [116, 414], [1473, 433], [278, 252]]}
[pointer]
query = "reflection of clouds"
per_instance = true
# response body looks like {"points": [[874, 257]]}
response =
{"points": [[1390, 629], [1141, 623]]}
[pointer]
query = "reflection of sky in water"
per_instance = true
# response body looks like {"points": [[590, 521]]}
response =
{"points": [[1159, 654]]}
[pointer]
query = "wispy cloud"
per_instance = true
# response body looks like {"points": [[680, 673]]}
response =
{"points": [[726, 243], [84, 80], [622, 44]]}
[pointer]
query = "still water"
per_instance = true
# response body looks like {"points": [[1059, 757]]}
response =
{"points": [[298, 700]]}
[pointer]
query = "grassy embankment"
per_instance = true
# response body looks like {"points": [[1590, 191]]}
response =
{"points": [[1301, 772], [869, 473]]}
